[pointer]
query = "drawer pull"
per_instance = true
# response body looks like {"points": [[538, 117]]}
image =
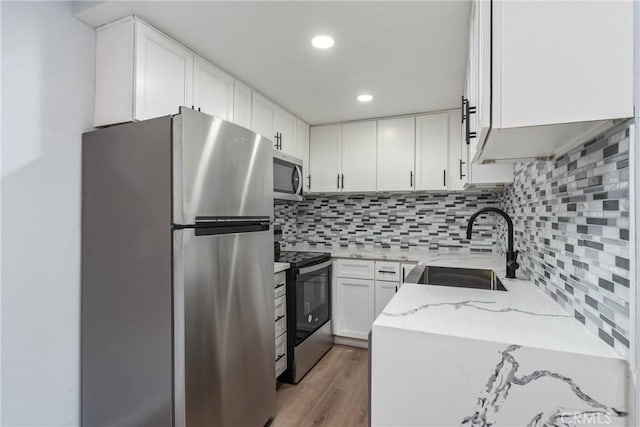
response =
{"points": [[280, 357], [279, 286], [387, 271], [279, 317]]}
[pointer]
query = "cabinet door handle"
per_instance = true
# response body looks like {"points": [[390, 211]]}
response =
{"points": [[309, 182], [461, 174], [410, 178], [342, 176], [462, 106], [338, 182], [444, 177], [396, 289], [468, 111]]}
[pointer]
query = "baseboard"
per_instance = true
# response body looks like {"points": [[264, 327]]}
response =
{"points": [[352, 342]]}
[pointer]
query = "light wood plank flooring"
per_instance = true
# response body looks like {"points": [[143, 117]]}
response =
{"points": [[333, 393]]}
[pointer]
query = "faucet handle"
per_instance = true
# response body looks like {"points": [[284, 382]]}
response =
{"points": [[512, 260]]}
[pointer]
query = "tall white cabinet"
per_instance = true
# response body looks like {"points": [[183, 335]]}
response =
{"points": [[396, 154]]}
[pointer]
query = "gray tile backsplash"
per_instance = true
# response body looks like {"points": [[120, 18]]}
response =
{"points": [[571, 220], [399, 221]]}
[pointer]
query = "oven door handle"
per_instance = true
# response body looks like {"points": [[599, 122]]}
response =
{"points": [[311, 269]]}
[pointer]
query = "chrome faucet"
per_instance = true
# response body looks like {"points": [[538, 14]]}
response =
{"points": [[512, 256]]}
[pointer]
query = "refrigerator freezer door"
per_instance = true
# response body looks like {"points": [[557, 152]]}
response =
{"points": [[224, 329], [220, 169]]}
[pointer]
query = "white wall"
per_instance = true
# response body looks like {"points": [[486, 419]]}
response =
{"points": [[47, 98]]}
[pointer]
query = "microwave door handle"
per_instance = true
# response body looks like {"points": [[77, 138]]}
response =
{"points": [[311, 269], [300, 180]]}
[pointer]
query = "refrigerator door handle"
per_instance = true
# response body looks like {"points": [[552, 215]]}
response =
{"points": [[209, 226]]}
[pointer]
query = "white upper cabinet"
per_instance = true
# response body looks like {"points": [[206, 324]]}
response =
{"points": [[396, 154], [324, 158], [302, 150], [241, 104], [457, 172], [432, 140], [358, 156], [284, 128], [262, 116], [546, 76], [164, 74], [140, 73], [212, 90]]}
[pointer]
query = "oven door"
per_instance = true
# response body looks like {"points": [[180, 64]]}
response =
{"points": [[313, 299], [287, 179]]}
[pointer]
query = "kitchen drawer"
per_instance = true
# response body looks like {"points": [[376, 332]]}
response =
{"points": [[281, 326], [279, 284], [355, 269], [281, 345], [388, 271], [281, 316], [280, 307], [281, 358]]}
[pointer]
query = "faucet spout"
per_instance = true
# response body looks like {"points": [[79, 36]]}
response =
{"points": [[512, 255]]}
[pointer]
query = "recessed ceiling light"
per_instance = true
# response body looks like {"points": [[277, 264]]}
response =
{"points": [[365, 97], [322, 42]]}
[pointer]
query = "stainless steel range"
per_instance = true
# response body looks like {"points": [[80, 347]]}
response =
{"points": [[308, 311]]}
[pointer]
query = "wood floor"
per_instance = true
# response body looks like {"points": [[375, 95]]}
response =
{"points": [[334, 393]]}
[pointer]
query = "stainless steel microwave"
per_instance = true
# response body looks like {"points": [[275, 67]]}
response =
{"points": [[287, 177]]}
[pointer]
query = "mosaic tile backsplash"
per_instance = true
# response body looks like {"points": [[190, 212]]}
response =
{"points": [[398, 221], [571, 221]]}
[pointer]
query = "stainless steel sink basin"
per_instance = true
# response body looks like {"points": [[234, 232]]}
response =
{"points": [[456, 277]]}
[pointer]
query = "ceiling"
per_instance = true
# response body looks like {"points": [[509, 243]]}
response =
{"points": [[410, 56]]}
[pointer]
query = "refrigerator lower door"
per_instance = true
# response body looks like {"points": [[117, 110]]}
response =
{"points": [[223, 328]]}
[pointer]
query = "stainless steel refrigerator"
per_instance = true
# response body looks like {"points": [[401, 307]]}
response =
{"points": [[177, 274]]}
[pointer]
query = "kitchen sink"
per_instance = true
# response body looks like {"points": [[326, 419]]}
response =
{"points": [[457, 277]]}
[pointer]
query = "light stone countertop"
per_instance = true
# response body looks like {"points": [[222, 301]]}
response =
{"points": [[280, 266], [523, 315]]}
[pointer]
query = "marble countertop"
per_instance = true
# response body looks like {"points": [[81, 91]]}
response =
{"points": [[523, 315], [280, 266]]}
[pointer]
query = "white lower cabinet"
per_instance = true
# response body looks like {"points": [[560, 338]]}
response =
{"points": [[363, 289], [355, 313], [384, 292]]}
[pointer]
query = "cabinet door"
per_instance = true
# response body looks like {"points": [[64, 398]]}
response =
{"points": [[384, 292], [396, 151], [405, 269], [241, 104], [358, 156], [456, 172], [212, 90], [262, 116], [355, 312], [432, 138], [164, 74], [324, 158], [285, 124], [302, 150]]}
